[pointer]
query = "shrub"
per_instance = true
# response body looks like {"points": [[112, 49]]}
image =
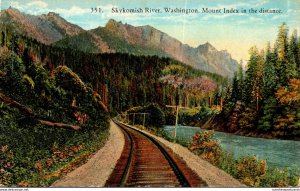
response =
{"points": [[156, 117], [250, 171], [26, 154], [248, 119], [247, 169], [69, 80], [279, 178], [205, 146]]}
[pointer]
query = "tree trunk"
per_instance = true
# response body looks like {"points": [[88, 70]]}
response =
{"points": [[28, 111], [13, 103]]}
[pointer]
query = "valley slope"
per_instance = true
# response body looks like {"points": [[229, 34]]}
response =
{"points": [[115, 37]]}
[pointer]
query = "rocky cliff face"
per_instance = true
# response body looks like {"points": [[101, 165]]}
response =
{"points": [[118, 37], [45, 28], [204, 57]]}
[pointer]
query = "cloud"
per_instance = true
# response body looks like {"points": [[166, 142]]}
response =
{"points": [[211, 16], [256, 19], [275, 17], [16, 5], [74, 10], [260, 3], [237, 5], [107, 7], [37, 3]]}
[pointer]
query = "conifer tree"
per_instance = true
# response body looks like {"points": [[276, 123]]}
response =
{"points": [[235, 89], [240, 77], [298, 56], [253, 79], [250, 75], [269, 73], [284, 67], [292, 55]]}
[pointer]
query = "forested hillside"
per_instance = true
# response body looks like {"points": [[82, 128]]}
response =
{"points": [[122, 80], [48, 123], [55, 102], [266, 98]]}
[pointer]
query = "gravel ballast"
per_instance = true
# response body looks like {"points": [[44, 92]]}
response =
{"points": [[213, 176], [98, 169]]}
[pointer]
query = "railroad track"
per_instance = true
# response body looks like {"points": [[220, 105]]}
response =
{"points": [[145, 162]]}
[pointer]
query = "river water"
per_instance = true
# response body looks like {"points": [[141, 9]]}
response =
{"points": [[278, 153]]}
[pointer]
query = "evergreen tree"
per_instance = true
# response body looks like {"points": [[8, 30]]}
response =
{"points": [[253, 79], [240, 77], [235, 89], [282, 42], [268, 110], [269, 73], [292, 55], [298, 56], [250, 75], [285, 68]]}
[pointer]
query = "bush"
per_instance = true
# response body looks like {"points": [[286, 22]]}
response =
{"points": [[156, 117], [205, 146], [31, 152], [248, 119], [279, 178], [250, 171], [266, 121], [247, 169]]}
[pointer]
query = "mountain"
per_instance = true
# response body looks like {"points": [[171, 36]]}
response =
{"points": [[44, 28], [146, 40], [118, 37]]}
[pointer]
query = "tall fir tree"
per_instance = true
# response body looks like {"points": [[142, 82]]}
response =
{"points": [[285, 68], [292, 55], [266, 120], [269, 73], [250, 75], [240, 77], [235, 89], [253, 79], [298, 56]]}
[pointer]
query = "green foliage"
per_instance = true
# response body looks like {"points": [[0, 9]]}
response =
{"points": [[117, 43], [28, 81], [248, 119], [121, 80], [279, 178], [68, 80], [286, 67], [248, 169], [271, 86], [155, 116], [187, 116], [240, 78], [83, 42], [227, 162], [205, 146], [13, 69], [235, 89], [253, 79], [269, 74], [266, 121], [27, 147], [287, 121]]}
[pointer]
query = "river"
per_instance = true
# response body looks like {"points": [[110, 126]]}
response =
{"points": [[278, 153]]}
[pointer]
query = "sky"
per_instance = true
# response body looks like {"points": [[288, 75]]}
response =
{"points": [[234, 32]]}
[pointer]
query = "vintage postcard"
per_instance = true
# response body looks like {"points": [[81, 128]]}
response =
{"points": [[153, 93]]}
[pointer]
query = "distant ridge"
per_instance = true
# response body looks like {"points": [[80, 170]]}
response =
{"points": [[118, 37], [47, 28]]}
